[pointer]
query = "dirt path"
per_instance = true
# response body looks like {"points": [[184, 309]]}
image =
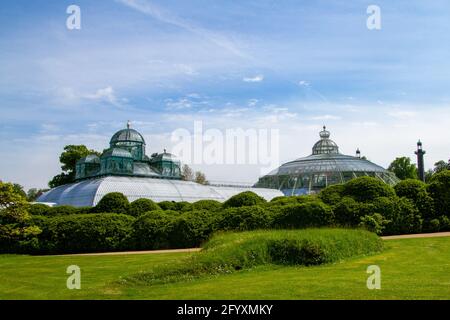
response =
{"points": [[419, 235]]}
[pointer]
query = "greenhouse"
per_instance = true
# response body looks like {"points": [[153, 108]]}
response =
{"points": [[324, 167], [124, 167]]}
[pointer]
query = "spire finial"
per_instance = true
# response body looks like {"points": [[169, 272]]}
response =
{"points": [[128, 124]]}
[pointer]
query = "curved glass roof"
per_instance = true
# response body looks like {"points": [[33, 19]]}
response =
{"points": [[325, 166], [89, 192]]}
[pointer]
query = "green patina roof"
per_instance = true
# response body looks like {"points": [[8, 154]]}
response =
{"points": [[127, 135], [117, 152]]}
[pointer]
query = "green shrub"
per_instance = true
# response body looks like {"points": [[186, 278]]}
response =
{"points": [[38, 209], [86, 233], [243, 199], [331, 195], [167, 205], [294, 252], [373, 223], [210, 205], [433, 225], [114, 202], [348, 212], [444, 223], [416, 191], [304, 215], [229, 252], [141, 206], [439, 190], [244, 218], [182, 206], [152, 229], [403, 215], [366, 189], [190, 229]]}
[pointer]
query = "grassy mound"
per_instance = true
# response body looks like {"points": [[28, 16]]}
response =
{"points": [[230, 252]]}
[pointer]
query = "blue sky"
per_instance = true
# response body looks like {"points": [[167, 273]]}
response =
{"points": [[288, 65]]}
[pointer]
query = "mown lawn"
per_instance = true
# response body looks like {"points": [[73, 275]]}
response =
{"points": [[410, 269]]}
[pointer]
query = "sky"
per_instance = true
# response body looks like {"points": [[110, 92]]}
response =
{"points": [[290, 66]]}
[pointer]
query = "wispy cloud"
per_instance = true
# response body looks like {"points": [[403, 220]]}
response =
{"points": [[159, 13], [105, 95], [257, 78]]}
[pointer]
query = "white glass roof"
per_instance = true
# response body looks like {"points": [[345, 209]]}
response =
{"points": [[89, 192]]}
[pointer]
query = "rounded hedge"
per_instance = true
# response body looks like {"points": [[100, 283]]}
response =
{"points": [[244, 218], [243, 199], [365, 189], [86, 233], [416, 191], [114, 202], [439, 190], [210, 205], [304, 215], [331, 195], [141, 206], [152, 229]]}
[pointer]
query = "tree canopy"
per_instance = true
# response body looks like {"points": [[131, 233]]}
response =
{"points": [[68, 159], [403, 168]]}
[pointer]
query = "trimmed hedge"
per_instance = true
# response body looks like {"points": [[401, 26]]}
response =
{"points": [[141, 206], [244, 218], [114, 202], [86, 233], [366, 189], [244, 199], [304, 215], [439, 190]]}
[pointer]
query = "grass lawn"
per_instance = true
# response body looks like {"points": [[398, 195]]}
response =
{"points": [[410, 269]]}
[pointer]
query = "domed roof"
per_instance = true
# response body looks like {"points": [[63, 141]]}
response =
{"points": [[165, 156], [91, 158], [325, 144], [117, 152], [325, 166], [127, 135]]}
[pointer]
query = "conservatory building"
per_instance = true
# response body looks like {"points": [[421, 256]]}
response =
{"points": [[325, 166], [124, 167]]}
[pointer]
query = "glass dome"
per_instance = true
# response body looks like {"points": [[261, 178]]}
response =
{"points": [[324, 167]]}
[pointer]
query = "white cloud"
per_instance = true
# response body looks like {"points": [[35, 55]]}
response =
{"points": [[402, 115], [303, 83], [326, 117], [257, 78], [105, 94], [165, 16]]}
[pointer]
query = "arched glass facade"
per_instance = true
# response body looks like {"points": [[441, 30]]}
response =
{"points": [[324, 167]]}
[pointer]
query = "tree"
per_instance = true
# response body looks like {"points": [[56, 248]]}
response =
{"points": [[441, 166], [68, 159], [34, 193], [403, 168], [200, 178], [15, 227], [187, 173]]}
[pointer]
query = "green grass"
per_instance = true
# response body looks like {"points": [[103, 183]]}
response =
{"points": [[410, 269], [230, 252]]}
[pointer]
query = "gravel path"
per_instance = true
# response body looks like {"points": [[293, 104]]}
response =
{"points": [[419, 235]]}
